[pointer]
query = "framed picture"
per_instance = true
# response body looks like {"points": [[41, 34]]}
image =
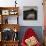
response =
{"points": [[30, 13], [5, 12]]}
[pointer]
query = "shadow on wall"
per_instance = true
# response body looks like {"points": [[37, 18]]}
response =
{"points": [[37, 29]]}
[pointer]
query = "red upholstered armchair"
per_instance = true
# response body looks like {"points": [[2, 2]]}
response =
{"points": [[30, 39]]}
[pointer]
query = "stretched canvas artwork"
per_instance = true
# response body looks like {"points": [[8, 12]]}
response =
{"points": [[30, 13]]}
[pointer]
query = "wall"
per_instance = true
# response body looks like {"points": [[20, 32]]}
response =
{"points": [[21, 3], [37, 3], [7, 3]]}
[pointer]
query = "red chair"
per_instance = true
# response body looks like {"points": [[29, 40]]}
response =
{"points": [[29, 33]]}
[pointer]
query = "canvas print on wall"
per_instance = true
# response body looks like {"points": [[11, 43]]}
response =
{"points": [[30, 13]]}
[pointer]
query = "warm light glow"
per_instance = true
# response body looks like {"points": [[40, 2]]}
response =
{"points": [[12, 10], [0, 17], [15, 30], [0, 36]]}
